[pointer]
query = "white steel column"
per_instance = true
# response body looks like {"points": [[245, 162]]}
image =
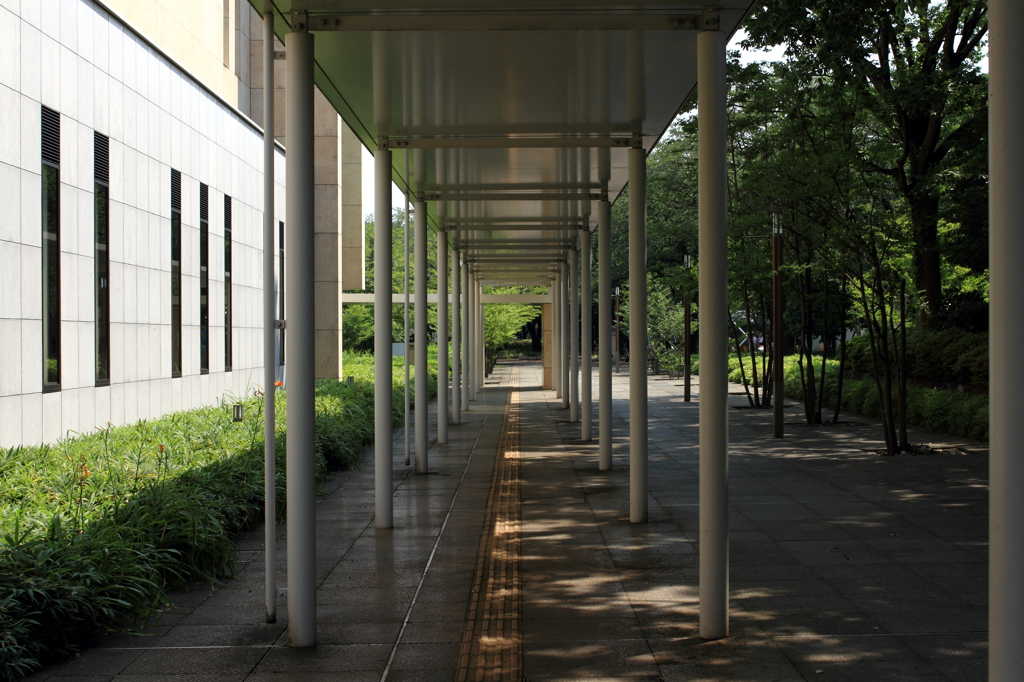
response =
{"points": [[382, 266], [604, 330], [556, 334], [566, 333], [299, 291], [481, 345], [456, 340], [714, 391], [574, 336], [422, 338], [1006, 251], [442, 336], [474, 333], [269, 319], [464, 340], [382, 339], [587, 342], [637, 335]]}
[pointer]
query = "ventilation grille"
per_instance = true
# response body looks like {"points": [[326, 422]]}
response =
{"points": [[227, 213], [280, 227], [51, 136], [204, 202], [101, 144], [176, 190]]}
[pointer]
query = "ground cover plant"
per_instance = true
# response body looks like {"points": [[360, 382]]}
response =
{"points": [[97, 526], [953, 411]]}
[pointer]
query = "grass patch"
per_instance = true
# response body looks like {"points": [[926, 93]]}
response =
{"points": [[100, 525]]}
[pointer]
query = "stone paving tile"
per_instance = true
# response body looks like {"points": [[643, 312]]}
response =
{"points": [[843, 562], [232, 663]]}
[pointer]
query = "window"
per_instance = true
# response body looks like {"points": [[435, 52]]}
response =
{"points": [[101, 256], [175, 273], [51, 248], [280, 289], [204, 279], [227, 283]]}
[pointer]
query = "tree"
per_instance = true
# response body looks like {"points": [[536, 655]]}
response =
{"points": [[918, 62]]}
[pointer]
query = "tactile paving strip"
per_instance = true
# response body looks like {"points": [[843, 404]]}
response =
{"points": [[492, 649]]}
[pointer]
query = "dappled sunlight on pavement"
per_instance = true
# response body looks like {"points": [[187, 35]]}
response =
{"points": [[517, 553]]}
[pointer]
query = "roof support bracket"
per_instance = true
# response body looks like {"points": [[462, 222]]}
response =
{"points": [[709, 20]]}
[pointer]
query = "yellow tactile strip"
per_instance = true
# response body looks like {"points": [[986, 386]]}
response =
{"points": [[492, 648]]}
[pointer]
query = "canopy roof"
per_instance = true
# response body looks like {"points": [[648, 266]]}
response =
{"points": [[491, 100]]}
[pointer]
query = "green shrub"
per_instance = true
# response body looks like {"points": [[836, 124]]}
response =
{"points": [[100, 525], [949, 356], [955, 412]]}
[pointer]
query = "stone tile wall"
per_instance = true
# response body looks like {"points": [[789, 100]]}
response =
{"points": [[100, 76]]}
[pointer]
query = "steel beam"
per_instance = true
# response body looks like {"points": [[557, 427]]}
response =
{"points": [[504, 21], [510, 196], [502, 186], [515, 228], [525, 220]]}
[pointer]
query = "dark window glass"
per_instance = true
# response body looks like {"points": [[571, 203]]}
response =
{"points": [[51, 277], [280, 290], [50, 147], [175, 273], [227, 284], [204, 280], [102, 259]]}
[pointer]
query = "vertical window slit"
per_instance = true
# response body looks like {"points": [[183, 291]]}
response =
{"points": [[280, 289], [101, 257], [51, 248], [175, 273], [204, 279], [227, 284]]}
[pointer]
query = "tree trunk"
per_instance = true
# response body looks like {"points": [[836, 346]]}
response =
{"points": [[766, 359], [889, 419], [753, 348], [924, 215], [824, 347], [739, 354], [810, 399], [842, 353], [904, 441]]}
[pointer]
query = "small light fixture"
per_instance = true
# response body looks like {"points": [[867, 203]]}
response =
{"points": [[238, 412], [351, 379]]}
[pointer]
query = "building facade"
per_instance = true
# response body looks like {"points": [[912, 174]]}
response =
{"points": [[131, 179]]}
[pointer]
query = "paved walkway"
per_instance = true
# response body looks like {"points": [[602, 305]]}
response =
{"points": [[514, 559]]}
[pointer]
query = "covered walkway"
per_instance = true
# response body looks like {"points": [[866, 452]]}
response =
{"points": [[515, 556]]}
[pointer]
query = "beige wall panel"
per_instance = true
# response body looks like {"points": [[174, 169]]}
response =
{"points": [[328, 362], [191, 32], [352, 217]]}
